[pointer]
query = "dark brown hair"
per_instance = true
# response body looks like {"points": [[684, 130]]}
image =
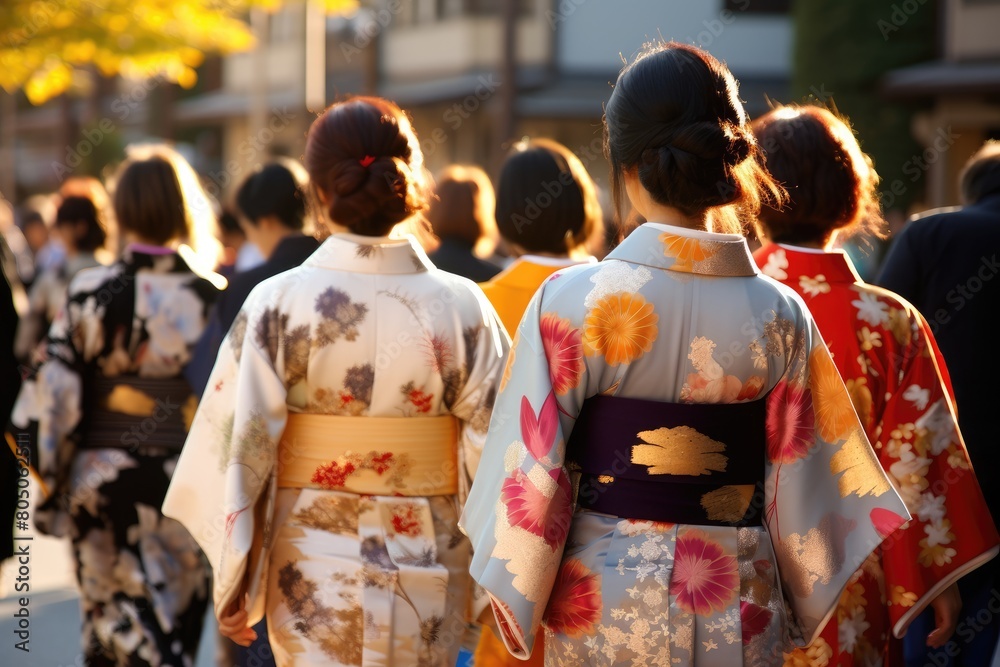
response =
{"points": [[980, 176], [83, 221], [675, 116], [278, 190], [546, 200], [830, 182], [463, 204], [149, 202], [364, 158]]}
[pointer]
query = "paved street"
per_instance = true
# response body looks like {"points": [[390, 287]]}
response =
{"points": [[53, 607]]}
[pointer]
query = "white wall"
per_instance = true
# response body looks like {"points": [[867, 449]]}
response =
{"points": [[592, 33]]}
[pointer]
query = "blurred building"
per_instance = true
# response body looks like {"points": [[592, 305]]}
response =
{"points": [[962, 90], [474, 74]]}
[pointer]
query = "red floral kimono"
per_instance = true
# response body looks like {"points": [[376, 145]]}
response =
{"points": [[900, 387]]}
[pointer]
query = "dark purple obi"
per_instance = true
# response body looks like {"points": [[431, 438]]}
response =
{"points": [[136, 413], [699, 464]]}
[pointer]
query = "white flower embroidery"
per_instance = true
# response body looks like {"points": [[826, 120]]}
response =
{"points": [[930, 508], [814, 286], [919, 397], [850, 630], [937, 533], [777, 262], [871, 309], [616, 277]]}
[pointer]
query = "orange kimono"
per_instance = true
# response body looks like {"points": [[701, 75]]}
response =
{"points": [[900, 388]]}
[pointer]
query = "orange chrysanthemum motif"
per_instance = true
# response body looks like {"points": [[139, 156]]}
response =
{"points": [[563, 351], [575, 604], [835, 414], [706, 579], [622, 327], [685, 251], [751, 388]]}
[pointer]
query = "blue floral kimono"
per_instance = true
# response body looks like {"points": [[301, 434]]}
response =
{"points": [[674, 473]]}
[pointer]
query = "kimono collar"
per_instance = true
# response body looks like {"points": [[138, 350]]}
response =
{"points": [[687, 251], [785, 262], [529, 271], [370, 254]]}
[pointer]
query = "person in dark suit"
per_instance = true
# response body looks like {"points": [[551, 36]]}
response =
{"points": [[947, 263], [272, 210]]}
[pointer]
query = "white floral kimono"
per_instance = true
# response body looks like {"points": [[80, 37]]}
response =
{"points": [[369, 330], [674, 472]]}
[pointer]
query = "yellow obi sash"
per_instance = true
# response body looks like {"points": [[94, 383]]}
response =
{"points": [[378, 456]]}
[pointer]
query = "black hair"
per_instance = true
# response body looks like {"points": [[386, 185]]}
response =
{"points": [[274, 191]]}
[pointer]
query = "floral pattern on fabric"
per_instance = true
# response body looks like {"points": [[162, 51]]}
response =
{"points": [[898, 386], [669, 594], [364, 328], [144, 583]]}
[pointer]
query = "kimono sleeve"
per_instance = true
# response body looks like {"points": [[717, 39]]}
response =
{"points": [[952, 532], [55, 400], [486, 349], [224, 485], [828, 502], [520, 508]]}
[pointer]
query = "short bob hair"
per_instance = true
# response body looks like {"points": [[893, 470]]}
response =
{"points": [[980, 176], [83, 221], [831, 183], [462, 207], [675, 117], [157, 196], [546, 200], [278, 190]]}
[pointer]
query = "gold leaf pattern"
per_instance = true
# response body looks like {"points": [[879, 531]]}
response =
{"points": [[728, 503], [679, 451], [818, 556], [856, 460], [130, 401]]}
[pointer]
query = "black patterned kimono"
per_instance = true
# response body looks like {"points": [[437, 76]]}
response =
{"points": [[113, 412]]}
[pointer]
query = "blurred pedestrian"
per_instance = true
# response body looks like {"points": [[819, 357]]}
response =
{"points": [[113, 411], [10, 382], [546, 238], [659, 484], [945, 263], [345, 416], [81, 233], [272, 205], [886, 353], [461, 215]]}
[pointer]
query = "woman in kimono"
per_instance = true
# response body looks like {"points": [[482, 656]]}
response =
{"points": [[547, 212], [674, 473], [897, 381], [113, 412], [342, 423]]}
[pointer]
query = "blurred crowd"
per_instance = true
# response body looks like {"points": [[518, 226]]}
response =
{"points": [[66, 256]]}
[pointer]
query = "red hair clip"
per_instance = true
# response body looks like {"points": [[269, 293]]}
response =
{"points": [[366, 161]]}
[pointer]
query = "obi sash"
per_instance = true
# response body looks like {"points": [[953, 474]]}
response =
{"points": [[698, 464], [379, 456], [134, 413]]}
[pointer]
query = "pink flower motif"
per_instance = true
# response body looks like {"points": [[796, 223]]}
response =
{"points": [[575, 603], [789, 423], [706, 578], [754, 620], [886, 522], [532, 510], [539, 432], [564, 351]]}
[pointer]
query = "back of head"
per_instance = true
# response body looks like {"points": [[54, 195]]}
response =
{"points": [[830, 182], [365, 161], [83, 220], [148, 200], [980, 176], [675, 116], [277, 190], [546, 200], [462, 207]]}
